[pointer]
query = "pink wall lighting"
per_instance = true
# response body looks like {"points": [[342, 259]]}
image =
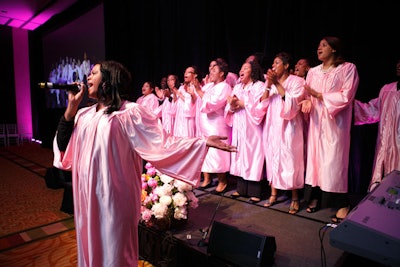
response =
{"points": [[22, 82]]}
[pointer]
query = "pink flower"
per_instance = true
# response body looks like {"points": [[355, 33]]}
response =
{"points": [[147, 200], [151, 171], [154, 197], [144, 185], [146, 215], [152, 182], [193, 201]]}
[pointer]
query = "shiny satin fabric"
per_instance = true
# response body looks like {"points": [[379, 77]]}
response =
{"points": [[328, 145], [248, 161], [185, 117], [283, 140], [212, 122], [166, 112], [385, 110], [105, 155], [149, 101]]}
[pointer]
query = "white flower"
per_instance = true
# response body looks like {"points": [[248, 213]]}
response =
{"points": [[164, 197], [182, 186], [180, 213], [165, 178], [159, 210], [179, 199], [165, 200], [164, 190]]}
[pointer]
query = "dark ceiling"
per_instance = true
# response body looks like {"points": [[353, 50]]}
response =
{"points": [[30, 14]]}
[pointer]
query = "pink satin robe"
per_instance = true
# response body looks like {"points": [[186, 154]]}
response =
{"points": [[166, 112], [386, 110], [232, 79], [185, 124], [248, 161], [149, 101], [212, 122], [198, 104], [283, 134], [105, 155], [328, 142]]}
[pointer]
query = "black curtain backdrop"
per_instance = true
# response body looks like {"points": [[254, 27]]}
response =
{"points": [[154, 38]]}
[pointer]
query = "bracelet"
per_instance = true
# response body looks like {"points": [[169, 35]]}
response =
{"points": [[267, 89], [231, 110]]}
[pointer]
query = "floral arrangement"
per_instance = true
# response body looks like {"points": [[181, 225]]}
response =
{"points": [[165, 198]]}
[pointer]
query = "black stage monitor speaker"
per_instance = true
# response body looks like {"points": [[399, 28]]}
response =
{"points": [[372, 228], [239, 248]]}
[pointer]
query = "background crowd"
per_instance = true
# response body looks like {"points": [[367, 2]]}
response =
{"points": [[67, 70]]}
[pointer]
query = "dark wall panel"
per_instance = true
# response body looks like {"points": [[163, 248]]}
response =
{"points": [[8, 106]]}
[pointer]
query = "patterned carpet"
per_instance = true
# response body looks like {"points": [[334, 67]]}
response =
{"points": [[25, 200], [33, 230], [29, 210], [20, 238], [56, 251]]}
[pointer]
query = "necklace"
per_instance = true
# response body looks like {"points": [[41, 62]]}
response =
{"points": [[327, 70]]}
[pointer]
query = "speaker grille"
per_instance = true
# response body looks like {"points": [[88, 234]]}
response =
{"points": [[240, 248]]}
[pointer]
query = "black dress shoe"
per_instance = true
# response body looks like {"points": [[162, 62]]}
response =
{"points": [[224, 187], [235, 195], [254, 200], [206, 186], [221, 193]]}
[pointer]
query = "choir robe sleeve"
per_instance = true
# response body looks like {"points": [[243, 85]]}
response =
{"points": [[340, 98], [366, 113], [139, 130]]}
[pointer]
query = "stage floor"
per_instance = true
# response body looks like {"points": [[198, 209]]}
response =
{"points": [[301, 239]]}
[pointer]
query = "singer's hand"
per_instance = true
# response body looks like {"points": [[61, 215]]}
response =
{"points": [[216, 141], [74, 99]]}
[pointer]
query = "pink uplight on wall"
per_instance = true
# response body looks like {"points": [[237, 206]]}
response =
{"points": [[22, 82]]}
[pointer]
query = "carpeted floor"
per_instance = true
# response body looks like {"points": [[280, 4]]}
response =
{"points": [[33, 229], [56, 251], [34, 232], [25, 200], [29, 210]]}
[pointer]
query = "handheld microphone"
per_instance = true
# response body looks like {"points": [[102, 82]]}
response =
{"points": [[62, 86]]}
